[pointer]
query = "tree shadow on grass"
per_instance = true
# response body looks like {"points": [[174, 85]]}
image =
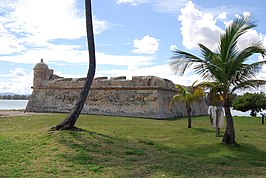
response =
{"points": [[204, 130], [114, 156]]}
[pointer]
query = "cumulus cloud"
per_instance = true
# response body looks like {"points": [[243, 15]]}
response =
{"points": [[17, 81], [222, 16], [45, 20], [198, 27], [163, 6], [28, 29], [173, 47], [26, 24], [147, 45], [201, 27], [247, 38]]}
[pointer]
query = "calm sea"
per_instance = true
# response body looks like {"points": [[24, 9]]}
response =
{"points": [[13, 104]]}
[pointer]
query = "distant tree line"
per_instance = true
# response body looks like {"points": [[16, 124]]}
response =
{"points": [[14, 97]]}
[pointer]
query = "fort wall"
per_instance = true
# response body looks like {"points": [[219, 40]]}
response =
{"points": [[142, 96]]}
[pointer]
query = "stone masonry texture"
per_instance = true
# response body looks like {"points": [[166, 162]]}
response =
{"points": [[142, 96]]}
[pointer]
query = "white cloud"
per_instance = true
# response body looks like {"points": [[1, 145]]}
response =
{"points": [[262, 73], [51, 53], [35, 23], [245, 14], [17, 87], [164, 6], [162, 71], [147, 45], [246, 38], [16, 81], [72, 54], [198, 27], [132, 2], [28, 28], [18, 72], [169, 6], [222, 16], [44, 20], [123, 60], [173, 47], [9, 44]]}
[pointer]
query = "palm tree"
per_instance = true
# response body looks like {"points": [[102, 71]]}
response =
{"points": [[188, 95], [228, 66], [69, 122]]}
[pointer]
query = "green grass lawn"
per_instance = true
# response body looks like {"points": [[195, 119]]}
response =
{"points": [[129, 147]]}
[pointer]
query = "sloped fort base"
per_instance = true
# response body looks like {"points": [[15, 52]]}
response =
{"points": [[144, 96]]}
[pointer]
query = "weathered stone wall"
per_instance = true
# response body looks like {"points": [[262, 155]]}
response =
{"points": [[145, 96]]}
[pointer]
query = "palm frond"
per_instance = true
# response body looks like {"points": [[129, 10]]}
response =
{"points": [[255, 46], [229, 40], [174, 99], [207, 85], [249, 84], [228, 67], [238, 65], [255, 67], [206, 52], [247, 72], [181, 60], [188, 94], [194, 83], [213, 67]]}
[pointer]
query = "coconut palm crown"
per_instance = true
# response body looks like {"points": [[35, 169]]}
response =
{"points": [[228, 66], [188, 95]]}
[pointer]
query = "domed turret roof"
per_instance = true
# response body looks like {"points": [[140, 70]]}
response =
{"points": [[41, 65]]}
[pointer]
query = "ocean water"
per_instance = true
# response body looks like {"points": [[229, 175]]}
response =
{"points": [[13, 104]]}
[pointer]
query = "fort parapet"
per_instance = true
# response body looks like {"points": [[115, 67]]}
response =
{"points": [[142, 96]]}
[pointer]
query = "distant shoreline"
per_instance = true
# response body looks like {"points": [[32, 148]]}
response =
{"points": [[13, 99]]}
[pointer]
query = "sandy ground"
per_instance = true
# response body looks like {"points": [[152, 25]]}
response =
{"points": [[9, 113]]}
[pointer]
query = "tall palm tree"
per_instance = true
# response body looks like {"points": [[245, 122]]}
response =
{"points": [[188, 95], [228, 66], [69, 122]]}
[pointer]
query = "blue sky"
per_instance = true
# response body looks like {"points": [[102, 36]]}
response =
{"points": [[133, 37]]}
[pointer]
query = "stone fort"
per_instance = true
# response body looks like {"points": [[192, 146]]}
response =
{"points": [[142, 96]]}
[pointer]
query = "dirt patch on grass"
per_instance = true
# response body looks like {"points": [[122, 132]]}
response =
{"points": [[10, 113]]}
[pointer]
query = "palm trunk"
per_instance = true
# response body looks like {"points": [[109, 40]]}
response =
{"points": [[229, 135], [69, 122], [188, 106], [217, 122]]}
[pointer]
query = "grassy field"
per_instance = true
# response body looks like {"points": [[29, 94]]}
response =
{"points": [[129, 147]]}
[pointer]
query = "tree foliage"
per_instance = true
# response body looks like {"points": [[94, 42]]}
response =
{"points": [[14, 97], [256, 102], [227, 66], [188, 95]]}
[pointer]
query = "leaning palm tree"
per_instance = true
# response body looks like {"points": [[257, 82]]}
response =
{"points": [[228, 66], [188, 95], [69, 122]]}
